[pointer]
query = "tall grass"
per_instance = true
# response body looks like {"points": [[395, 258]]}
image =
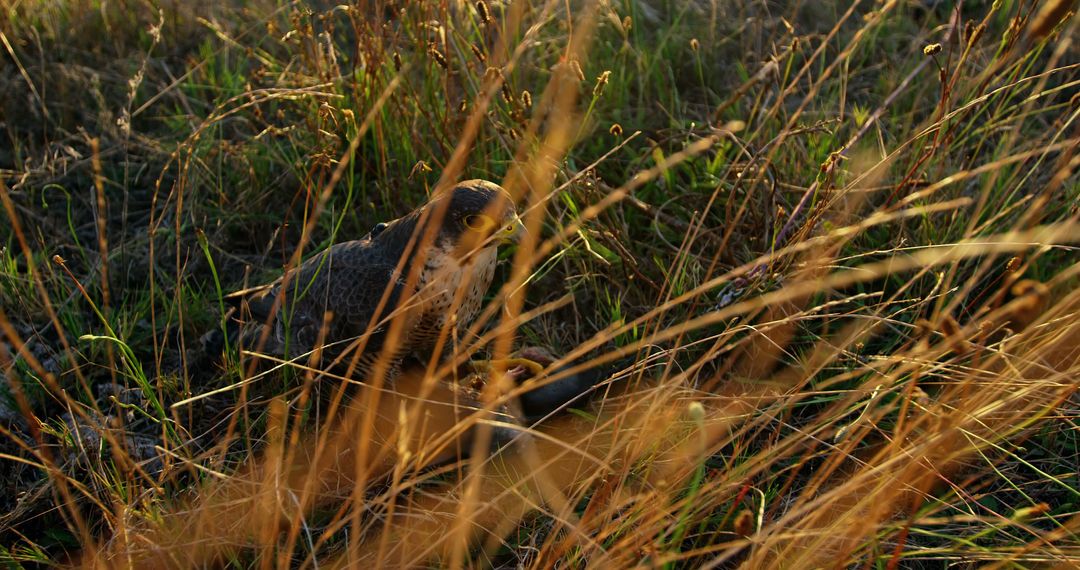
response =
{"points": [[824, 254]]}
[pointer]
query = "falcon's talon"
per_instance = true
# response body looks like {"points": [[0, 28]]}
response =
{"points": [[506, 365]]}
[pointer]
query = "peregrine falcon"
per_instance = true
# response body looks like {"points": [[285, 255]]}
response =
{"points": [[430, 268]]}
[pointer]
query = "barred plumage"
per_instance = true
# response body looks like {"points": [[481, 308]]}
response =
{"points": [[433, 266]]}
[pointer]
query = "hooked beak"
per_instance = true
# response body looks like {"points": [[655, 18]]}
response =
{"points": [[512, 232]]}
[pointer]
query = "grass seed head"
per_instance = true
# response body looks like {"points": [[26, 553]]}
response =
{"points": [[483, 12], [696, 411], [976, 34], [601, 81], [744, 523], [478, 52], [1027, 513], [1031, 299], [923, 327], [949, 326], [576, 68], [438, 57], [1013, 264], [421, 167], [1029, 287]]}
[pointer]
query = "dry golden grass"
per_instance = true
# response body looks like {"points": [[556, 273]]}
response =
{"points": [[835, 290]]}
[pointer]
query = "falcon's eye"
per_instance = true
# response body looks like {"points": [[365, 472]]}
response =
{"points": [[479, 222]]}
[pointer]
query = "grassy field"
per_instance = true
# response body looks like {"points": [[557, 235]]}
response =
{"points": [[823, 253]]}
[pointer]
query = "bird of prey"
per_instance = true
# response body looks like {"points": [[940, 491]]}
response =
{"points": [[429, 269]]}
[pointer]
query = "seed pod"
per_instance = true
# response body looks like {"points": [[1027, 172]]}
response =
{"points": [[526, 100], [616, 129], [932, 49], [397, 61], [694, 45]]}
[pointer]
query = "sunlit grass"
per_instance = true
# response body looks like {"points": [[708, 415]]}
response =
{"points": [[824, 253]]}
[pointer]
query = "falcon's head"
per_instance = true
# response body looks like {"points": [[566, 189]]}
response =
{"points": [[472, 216]]}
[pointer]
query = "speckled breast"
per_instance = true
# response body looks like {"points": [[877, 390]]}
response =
{"points": [[452, 294]]}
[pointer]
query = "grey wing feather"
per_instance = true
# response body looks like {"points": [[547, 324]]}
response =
{"points": [[348, 280]]}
